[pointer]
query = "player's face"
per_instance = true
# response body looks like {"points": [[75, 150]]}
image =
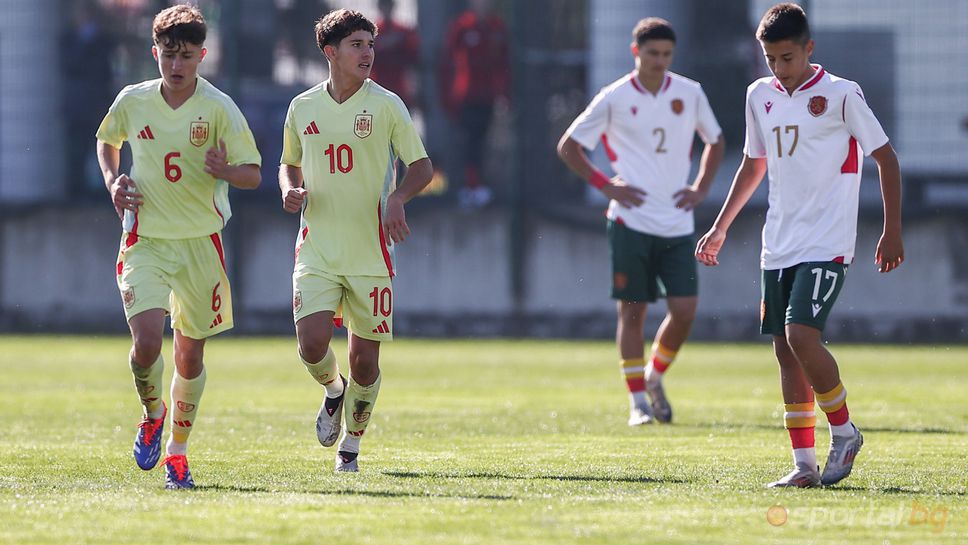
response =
{"points": [[354, 55], [653, 57], [179, 67], [789, 61]]}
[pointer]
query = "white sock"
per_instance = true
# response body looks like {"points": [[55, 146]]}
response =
{"points": [[843, 430], [349, 443], [175, 449], [805, 456]]}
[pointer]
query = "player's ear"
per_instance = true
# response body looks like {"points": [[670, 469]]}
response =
{"points": [[154, 52], [202, 55], [809, 48], [329, 51], [635, 49]]}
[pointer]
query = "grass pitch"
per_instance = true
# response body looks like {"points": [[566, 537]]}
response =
{"points": [[479, 443]]}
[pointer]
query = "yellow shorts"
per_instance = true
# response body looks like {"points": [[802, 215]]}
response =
{"points": [[184, 277], [363, 303]]}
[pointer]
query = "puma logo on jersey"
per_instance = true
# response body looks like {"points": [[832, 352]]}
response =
{"points": [[311, 129], [146, 134], [769, 106], [816, 309]]}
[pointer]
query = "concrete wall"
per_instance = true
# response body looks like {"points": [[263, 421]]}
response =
{"points": [[57, 274]]}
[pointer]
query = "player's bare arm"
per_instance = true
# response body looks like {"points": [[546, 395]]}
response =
{"points": [[616, 189], [240, 176], [712, 156], [124, 193], [419, 174], [748, 178], [890, 249], [291, 186]]}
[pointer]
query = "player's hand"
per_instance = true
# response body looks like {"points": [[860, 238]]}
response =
{"points": [[688, 198], [626, 195], [396, 219], [889, 254], [217, 160], [707, 249], [125, 196], [292, 200]]}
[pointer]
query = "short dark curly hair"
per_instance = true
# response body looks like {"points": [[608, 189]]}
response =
{"points": [[653, 28], [178, 25], [338, 24], [784, 22]]}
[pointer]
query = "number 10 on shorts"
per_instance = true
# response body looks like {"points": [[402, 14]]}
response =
{"points": [[382, 301]]}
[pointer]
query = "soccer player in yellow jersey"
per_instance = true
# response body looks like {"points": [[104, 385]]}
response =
{"points": [[188, 141], [340, 144]]}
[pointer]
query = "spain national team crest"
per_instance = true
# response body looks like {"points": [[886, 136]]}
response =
{"points": [[198, 134], [817, 106], [296, 301], [363, 125], [185, 407], [677, 106], [127, 296]]}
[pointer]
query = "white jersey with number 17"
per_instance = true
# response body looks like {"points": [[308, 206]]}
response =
{"points": [[810, 140]]}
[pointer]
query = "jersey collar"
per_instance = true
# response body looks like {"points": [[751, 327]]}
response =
{"points": [[634, 78], [814, 80]]}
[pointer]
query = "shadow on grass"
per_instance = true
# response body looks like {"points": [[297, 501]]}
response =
{"points": [[349, 492], [779, 427], [895, 490], [578, 478]]}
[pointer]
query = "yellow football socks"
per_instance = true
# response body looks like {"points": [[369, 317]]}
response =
{"points": [[357, 407], [185, 397], [326, 372]]}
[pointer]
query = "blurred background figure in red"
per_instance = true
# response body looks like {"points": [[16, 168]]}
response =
{"points": [[475, 75], [397, 55]]}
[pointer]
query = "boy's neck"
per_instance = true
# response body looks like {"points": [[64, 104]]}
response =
{"points": [[806, 75], [342, 88], [173, 98], [652, 84]]}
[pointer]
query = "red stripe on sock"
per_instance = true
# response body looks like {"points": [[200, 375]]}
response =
{"points": [[839, 417], [659, 366], [801, 437], [636, 384]]}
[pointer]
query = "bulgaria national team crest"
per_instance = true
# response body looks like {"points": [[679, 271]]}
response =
{"points": [[127, 296], [817, 106], [198, 133], [677, 106], [363, 125]]}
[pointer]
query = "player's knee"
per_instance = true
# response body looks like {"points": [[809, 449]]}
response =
{"points": [[631, 315], [313, 347], [146, 349]]}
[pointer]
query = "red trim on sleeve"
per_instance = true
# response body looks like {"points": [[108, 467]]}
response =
{"points": [[217, 241], [851, 163], [839, 259], [383, 241], [612, 156]]}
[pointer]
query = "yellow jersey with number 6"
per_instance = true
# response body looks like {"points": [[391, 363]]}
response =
{"points": [[168, 148], [347, 152]]}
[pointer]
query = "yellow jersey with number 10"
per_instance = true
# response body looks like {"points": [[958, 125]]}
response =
{"points": [[168, 148], [347, 153]]}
